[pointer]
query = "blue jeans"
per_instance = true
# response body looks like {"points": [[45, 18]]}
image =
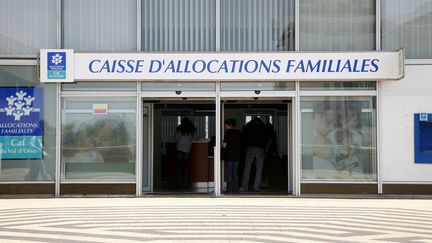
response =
{"points": [[233, 178], [257, 154], [182, 169]]}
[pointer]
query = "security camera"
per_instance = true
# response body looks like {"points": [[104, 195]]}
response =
{"points": [[178, 92], [257, 92]]}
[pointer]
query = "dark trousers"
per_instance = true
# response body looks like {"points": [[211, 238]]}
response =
{"points": [[233, 178], [182, 169]]}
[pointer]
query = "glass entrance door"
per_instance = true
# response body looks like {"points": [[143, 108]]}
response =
{"points": [[276, 169], [170, 102], [161, 166]]}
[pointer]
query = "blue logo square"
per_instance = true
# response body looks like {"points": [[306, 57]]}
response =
{"points": [[56, 65]]}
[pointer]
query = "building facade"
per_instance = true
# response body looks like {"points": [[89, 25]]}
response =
{"points": [[117, 136]]}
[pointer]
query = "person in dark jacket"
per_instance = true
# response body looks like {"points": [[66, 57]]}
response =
{"points": [[231, 154], [255, 137]]}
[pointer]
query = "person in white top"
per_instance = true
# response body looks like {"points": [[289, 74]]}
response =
{"points": [[185, 133]]}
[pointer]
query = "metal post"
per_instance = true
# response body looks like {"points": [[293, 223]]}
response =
{"points": [[296, 25], [297, 143], [59, 24], [378, 138], [378, 25], [58, 142], [217, 161], [138, 31], [218, 25], [139, 141]]}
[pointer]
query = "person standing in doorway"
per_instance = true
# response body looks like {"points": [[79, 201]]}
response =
{"points": [[270, 154], [255, 138], [231, 154], [185, 133]]}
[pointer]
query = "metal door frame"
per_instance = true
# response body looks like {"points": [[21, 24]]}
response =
{"points": [[161, 97], [291, 131], [149, 156], [217, 97]]}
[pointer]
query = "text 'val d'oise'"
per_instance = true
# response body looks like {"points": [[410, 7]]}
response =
{"points": [[342, 65]]}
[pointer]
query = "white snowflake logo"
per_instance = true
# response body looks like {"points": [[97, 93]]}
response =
{"points": [[56, 59], [19, 105]]}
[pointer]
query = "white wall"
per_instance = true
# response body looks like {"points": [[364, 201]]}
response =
{"points": [[400, 100]]}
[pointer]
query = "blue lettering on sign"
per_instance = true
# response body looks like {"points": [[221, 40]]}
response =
{"points": [[91, 65], [374, 64], [333, 66], [56, 65], [116, 66], [313, 67], [21, 123], [235, 66], [155, 66]]}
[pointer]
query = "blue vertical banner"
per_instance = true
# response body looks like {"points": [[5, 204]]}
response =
{"points": [[21, 123]]}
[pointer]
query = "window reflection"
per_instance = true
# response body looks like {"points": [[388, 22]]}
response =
{"points": [[338, 139], [337, 25], [407, 24], [99, 146], [26, 27], [180, 25], [257, 25], [23, 168], [99, 25]]}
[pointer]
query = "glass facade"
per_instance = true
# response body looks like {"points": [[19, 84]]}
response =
{"points": [[337, 25], [27, 26], [181, 25], [335, 86], [99, 86], [112, 28], [407, 24], [193, 25], [99, 133], [257, 86], [179, 86], [338, 138], [98, 138], [257, 25], [27, 126]]}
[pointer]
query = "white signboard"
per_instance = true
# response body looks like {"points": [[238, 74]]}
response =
{"points": [[334, 66], [56, 65]]}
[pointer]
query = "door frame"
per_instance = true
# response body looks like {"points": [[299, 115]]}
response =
{"points": [[144, 103], [147, 108], [218, 96], [293, 177]]}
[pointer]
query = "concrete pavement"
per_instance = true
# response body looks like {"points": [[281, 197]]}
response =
{"points": [[226, 219]]}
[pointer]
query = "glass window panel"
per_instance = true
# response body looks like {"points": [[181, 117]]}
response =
{"points": [[27, 26], [99, 25], [261, 86], [337, 25], [407, 24], [180, 25], [180, 86], [338, 138], [98, 138], [99, 86], [334, 86], [27, 165], [15, 76], [257, 25]]}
